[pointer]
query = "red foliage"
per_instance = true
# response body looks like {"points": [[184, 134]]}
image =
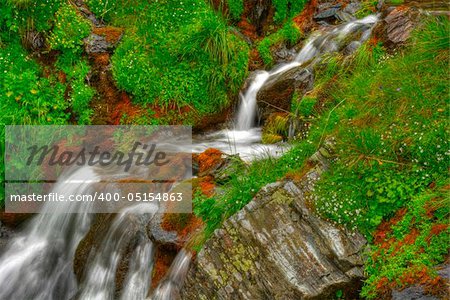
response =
{"points": [[304, 20], [124, 107], [208, 159], [385, 228], [247, 29], [436, 230], [164, 257], [112, 34], [207, 188]]}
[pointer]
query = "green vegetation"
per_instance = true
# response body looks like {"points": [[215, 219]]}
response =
{"points": [[288, 34], [386, 109], [287, 9], [189, 58], [69, 31], [236, 8], [411, 245], [391, 130], [389, 116], [33, 93], [243, 185]]}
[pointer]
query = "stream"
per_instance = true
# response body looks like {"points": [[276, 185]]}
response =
{"points": [[38, 261]]}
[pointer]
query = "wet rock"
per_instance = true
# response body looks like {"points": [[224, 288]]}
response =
{"points": [[336, 13], [158, 234], [277, 248], [351, 48], [352, 7], [283, 54], [5, 235], [399, 24], [276, 94], [412, 293], [259, 13], [102, 39], [327, 14]]}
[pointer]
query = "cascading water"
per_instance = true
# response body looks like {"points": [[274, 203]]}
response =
{"points": [[314, 48], [100, 280], [169, 288], [38, 262], [247, 112]]}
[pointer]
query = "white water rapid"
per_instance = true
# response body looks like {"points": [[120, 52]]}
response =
{"points": [[37, 264], [314, 48]]}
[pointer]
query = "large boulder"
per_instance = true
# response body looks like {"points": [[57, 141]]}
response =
{"points": [[276, 94], [277, 248]]}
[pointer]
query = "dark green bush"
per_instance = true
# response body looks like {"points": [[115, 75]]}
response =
{"points": [[191, 58]]}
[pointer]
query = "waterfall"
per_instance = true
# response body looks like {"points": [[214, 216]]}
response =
{"points": [[169, 288], [247, 110], [314, 48], [37, 264], [99, 283]]}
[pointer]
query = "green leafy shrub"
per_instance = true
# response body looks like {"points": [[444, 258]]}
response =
{"points": [[192, 52], [26, 97], [390, 142], [287, 8], [69, 31], [236, 8], [19, 15]]}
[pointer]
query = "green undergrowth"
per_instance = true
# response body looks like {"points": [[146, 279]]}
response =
{"points": [[176, 54], [287, 9], [33, 92], [236, 8], [411, 245], [390, 119]]}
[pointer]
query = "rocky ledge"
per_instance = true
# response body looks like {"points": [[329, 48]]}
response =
{"points": [[277, 248]]}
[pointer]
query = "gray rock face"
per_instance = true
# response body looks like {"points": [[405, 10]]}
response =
{"points": [[276, 248], [276, 94], [328, 12], [412, 293], [399, 24], [259, 14], [5, 235], [97, 44]]}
